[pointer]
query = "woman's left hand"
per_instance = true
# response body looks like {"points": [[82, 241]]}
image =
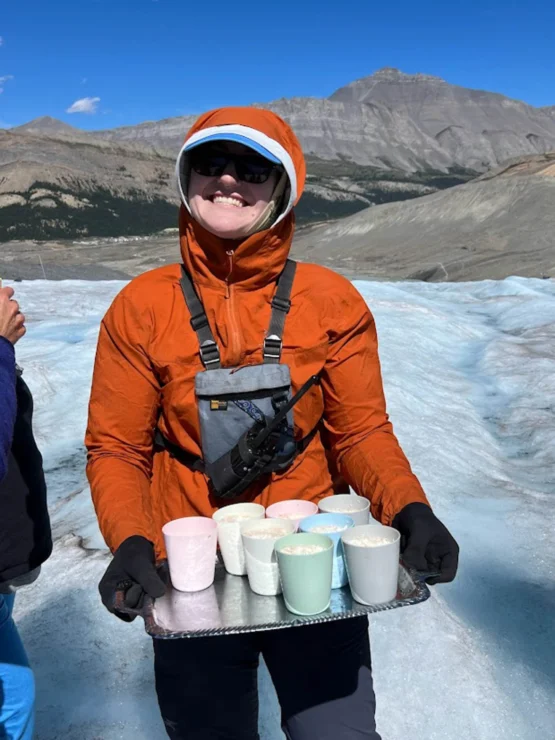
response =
{"points": [[12, 321], [426, 544]]}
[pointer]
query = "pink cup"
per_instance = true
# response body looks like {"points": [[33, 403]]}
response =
{"points": [[191, 547], [294, 509]]}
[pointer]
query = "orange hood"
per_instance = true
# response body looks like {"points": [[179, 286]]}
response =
{"points": [[259, 258]]}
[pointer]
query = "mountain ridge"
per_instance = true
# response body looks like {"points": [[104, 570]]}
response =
{"points": [[411, 135], [499, 224]]}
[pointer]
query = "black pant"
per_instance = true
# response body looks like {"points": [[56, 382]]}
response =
{"points": [[207, 687]]}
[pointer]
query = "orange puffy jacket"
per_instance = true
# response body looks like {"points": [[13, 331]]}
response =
{"points": [[148, 356]]}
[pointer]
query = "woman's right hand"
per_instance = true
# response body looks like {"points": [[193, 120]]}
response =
{"points": [[132, 571], [12, 321]]}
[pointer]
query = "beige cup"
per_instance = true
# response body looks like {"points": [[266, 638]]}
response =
{"points": [[357, 507], [259, 538], [229, 520]]}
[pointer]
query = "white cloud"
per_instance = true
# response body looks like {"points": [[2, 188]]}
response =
{"points": [[1, 40], [84, 105], [3, 80]]}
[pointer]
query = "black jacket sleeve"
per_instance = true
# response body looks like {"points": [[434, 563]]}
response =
{"points": [[8, 404]]}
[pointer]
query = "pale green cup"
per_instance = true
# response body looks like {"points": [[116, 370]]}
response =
{"points": [[305, 578]]}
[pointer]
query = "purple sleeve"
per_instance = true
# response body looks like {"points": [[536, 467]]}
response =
{"points": [[8, 402]]}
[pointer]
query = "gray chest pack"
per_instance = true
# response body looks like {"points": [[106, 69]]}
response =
{"points": [[245, 413]]}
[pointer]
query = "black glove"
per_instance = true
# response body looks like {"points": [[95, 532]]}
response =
{"points": [[426, 544], [132, 570]]}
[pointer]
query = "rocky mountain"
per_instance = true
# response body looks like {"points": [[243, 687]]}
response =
{"points": [[500, 224], [68, 186], [165, 136], [474, 128], [370, 135], [48, 126], [340, 188], [394, 120], [64, 185], [387, 137]]}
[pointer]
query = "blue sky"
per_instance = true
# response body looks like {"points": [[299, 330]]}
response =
{"points": [[137, 60]]}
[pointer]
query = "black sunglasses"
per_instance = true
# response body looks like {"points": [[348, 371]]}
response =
{"points": [[249, 167]]}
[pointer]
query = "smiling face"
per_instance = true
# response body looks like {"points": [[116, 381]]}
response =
{"points": [[225, 205]]}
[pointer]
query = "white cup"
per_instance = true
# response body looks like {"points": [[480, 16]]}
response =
{"points": [[262, 568], [373, 563], [229, 520], [357, 507], [191, 547]]}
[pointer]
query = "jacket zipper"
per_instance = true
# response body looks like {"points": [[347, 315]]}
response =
{"points": [[235, 338]]}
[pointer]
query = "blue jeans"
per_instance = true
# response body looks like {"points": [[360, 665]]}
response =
{"points": [[17, 684]]}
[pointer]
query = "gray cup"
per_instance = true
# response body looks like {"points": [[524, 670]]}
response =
{"points": [[305, 578], [373, 563]]}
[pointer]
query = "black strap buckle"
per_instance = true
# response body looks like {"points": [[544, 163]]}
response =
{"points": [[282, 304], [209, 352], [272, 347], [199, 321]]}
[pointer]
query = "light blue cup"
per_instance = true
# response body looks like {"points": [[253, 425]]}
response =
{"points": [[339, 572]]}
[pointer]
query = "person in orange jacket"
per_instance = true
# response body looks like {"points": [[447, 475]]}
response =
{"points": [[240, 173]]}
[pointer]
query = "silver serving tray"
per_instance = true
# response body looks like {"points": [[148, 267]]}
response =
{"points": [[230, 607]]}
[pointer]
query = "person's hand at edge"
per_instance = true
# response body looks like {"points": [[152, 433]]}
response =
{"points": [[426, 543], [12, 321]]}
